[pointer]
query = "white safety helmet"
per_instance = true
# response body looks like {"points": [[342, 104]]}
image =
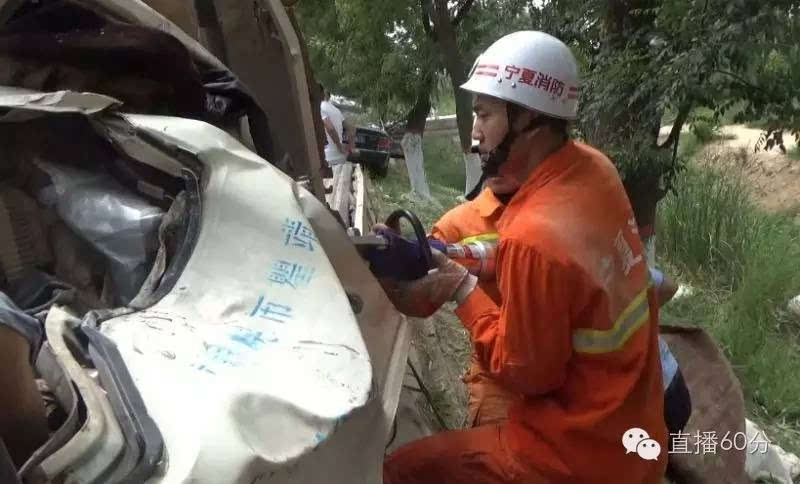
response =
{"points": [[532, 69]]}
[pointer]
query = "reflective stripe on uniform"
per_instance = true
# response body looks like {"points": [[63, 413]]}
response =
{"points": [[597, 341], [489, 237]]}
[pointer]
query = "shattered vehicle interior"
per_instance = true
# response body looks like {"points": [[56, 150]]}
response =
{"points": [[155, 270]]}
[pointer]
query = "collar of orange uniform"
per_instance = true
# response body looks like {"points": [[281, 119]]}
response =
{"points": [[551, 166], [487, 203]]}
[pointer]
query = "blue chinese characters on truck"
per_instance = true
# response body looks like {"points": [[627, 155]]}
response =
{"points": [[284, 274]]}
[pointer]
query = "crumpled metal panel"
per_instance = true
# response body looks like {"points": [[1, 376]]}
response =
{"points": [[255, 367]]}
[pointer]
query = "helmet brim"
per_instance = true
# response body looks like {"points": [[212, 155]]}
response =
{"points": [[472, 90]]}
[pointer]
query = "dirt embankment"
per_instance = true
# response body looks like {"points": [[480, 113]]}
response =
{"points": [[774, 176]]}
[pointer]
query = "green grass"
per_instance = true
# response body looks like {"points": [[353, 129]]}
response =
{"points": [[394, 191], [444, 170], [689, 145], [744, 266], [444, 163], [710, 225], [794, 153]]}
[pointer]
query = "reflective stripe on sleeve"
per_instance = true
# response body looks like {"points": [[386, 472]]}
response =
{"points": [[490, 237], [596, 341]]}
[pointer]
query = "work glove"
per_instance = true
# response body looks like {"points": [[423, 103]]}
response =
{"points": [[421, 297]]}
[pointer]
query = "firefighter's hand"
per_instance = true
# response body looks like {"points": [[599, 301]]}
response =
{"points": [[422, 297]]}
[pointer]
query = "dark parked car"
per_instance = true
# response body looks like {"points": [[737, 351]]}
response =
{"points": [[374, 147]]}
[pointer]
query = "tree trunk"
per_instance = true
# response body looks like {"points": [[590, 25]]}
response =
{"points": [[447, 42], [633, 126], [412, 139], [412, 150]]}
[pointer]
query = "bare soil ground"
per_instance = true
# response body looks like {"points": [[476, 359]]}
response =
{"points": [[773, 175]]}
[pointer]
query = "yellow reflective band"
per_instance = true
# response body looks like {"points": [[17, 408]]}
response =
{"points": [[481, 238], [597, 341]]}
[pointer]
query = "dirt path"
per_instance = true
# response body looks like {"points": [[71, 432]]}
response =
{"points": [[773, 175]]}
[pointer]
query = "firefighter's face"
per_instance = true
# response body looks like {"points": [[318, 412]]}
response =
{"points": [[491, 123], [489, 130]]}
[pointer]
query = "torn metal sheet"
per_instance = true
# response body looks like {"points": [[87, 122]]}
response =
{"points": [[17, 99], [123, 135], [139, 13], [265, 32]]}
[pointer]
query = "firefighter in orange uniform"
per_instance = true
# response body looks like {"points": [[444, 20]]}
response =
{"points": [[473, 221], [573, 329]]}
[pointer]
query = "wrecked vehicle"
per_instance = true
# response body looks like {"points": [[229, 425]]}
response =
{"points": [[193, 312]]}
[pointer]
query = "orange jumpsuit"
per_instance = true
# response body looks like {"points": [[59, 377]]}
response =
{"points": [[477, 220], [575, 333]]}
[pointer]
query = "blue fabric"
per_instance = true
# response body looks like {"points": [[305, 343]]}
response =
{"points": [[669, 365], [657, 276]]}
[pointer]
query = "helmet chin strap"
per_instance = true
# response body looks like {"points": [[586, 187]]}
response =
{"points": [[490, 164]]}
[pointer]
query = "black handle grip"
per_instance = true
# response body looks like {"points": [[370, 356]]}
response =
{"points": [[393, 222]]}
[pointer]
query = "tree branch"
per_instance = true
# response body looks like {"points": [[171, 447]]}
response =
{"points": [[683, 114], [462, 12], [740, 79], [427, 18]]}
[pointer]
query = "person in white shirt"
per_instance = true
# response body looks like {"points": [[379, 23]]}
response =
{"points": [[335, 152]]}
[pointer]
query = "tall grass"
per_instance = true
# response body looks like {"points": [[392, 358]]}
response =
{"points": [[746, 266], [794, 153], [710, 224]]}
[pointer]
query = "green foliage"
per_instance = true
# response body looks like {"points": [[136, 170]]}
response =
{"points": [[380, 53], [705, 128], [636, 160], [372, 52], [650, 57]]}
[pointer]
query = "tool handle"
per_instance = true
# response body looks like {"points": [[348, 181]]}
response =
{"points": [[393, 222]]}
